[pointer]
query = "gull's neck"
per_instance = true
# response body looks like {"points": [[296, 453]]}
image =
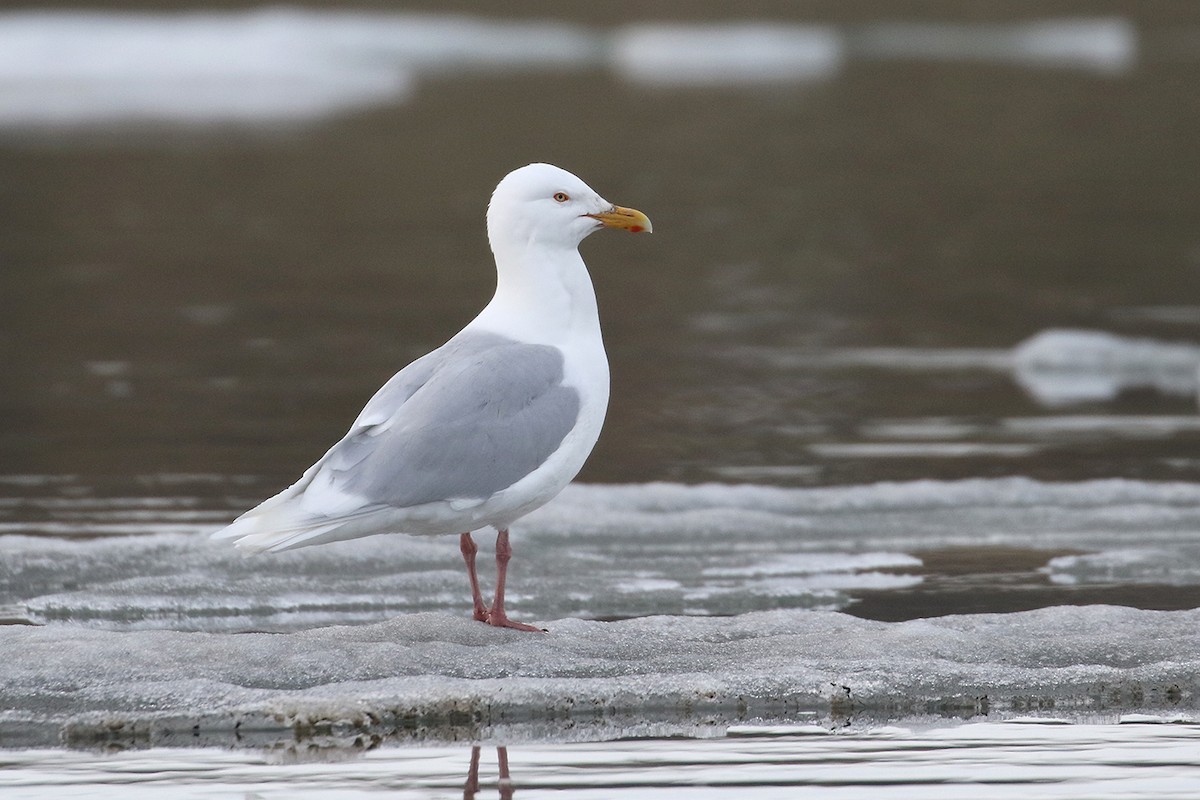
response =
{"points": [[543, 294]]}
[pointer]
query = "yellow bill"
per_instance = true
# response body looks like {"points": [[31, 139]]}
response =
{"points": [[626, 219]]}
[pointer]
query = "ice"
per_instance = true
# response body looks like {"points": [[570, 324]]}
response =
{"points": [[704, 55], [904, 359], [73, 69], [435, 675], [1124, 425], [920, 449], [267, 65], [1106, 45], [723, 605], [1056, 367], [809, 563], [1174, 566], [604, 551], [1043, 428], [930, 428], [1060, 367]]}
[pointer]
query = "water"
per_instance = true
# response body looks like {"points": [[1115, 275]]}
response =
{"points": [[987, 761], [903, 427]]}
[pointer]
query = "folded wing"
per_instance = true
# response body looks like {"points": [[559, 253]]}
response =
{"points": [[456, 426]]}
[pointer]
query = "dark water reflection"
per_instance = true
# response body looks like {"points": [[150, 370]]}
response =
{"points": [[224, 300]]}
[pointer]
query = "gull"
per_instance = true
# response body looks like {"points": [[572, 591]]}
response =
{"points": [[487, 427]]}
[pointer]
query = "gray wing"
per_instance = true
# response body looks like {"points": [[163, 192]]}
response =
{"points": [[466, 421]]}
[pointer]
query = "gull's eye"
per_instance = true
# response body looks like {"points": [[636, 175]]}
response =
{"points": [[561, 197]]}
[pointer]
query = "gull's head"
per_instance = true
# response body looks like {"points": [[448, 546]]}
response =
{"points": [[542, 204]]}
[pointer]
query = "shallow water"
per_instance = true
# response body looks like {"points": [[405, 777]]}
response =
{"points": [[914, 342]]}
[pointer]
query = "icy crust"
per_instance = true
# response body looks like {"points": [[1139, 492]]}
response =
{"points": [[605, 551], [708, 549], [886, 516], [437, 676]]}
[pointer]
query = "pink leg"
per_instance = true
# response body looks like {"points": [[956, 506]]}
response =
{"points": [[506, 787], [497, 616], [471, 788], [467, 545]]}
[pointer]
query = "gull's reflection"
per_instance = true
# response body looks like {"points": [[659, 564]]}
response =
{"points": [[504, 784]]}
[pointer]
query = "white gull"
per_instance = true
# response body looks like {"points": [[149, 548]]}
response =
{"points": [[490, 425]]}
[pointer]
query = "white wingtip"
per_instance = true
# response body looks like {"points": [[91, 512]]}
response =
{"points": [[275, 528], [245, 532]]}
